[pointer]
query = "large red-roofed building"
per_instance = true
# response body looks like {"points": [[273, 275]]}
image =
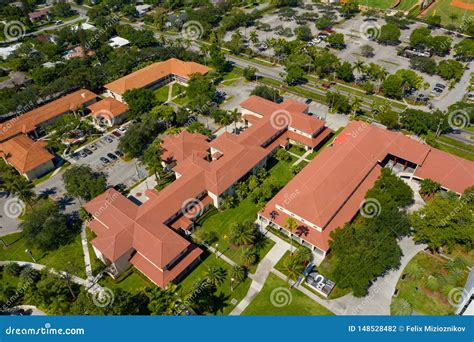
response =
{"points": [[328, 192]]}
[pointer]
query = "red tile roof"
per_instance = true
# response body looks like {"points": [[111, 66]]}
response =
{"points": [[155, 72], [108, 108], [25, 154], [180, 146], [29, 121], [329, 190]]}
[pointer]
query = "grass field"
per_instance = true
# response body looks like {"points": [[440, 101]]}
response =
{"points": [[69, 257], [132, 281], [405, 5], [444, 9], [275, 291], [383, 4]]}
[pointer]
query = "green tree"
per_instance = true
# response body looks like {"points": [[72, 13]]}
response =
{"points": [[267, 93], [344, 72], [389, 34], [45, 227], [249, 73], [238, 273], [429, 187], [216, 275], [291, 225], [401, 307], [242, 234], [336, 40], [450, 69], [139, 101], [84, 183]]}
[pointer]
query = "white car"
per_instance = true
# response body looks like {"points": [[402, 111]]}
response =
{"points": [[122, 129]]}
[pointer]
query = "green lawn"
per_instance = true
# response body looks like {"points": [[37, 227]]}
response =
{"points": [[220, 222], [96, 264], [414, 288], [297, 150], [383, 4], [69, 257], [444, 9], [405, 5], [276, 291], [239, 292], [162, 93], [132, 281]]}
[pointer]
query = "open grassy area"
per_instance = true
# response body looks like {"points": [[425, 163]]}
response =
{"points": [[220, 222], [383, 4], [444, 9], [297, 150], [96, 264], [132, 281], [276, 291], [405, 5], [199, 273], [161, 93], [66, 258], [414, 285]]}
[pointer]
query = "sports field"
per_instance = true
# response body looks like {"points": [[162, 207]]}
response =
{"points": [[383, 4], [444, 9]]}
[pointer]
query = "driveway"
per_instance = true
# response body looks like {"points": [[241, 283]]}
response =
{"points": [[9, 211]]}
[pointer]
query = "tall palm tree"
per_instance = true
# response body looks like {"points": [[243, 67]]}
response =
{"points": [[216, 275], [355, 105], [238, 273], [293, 268], [242, 234], [453, 17], [254, 37], [21, 188], [225, 120], [205, 49], [291, 225], [235, 115], [359, 66]]}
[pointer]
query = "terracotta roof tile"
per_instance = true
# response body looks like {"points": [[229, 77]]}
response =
{"points": [[25, 154]]}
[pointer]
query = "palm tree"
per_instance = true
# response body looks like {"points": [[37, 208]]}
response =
{"points": [[291, 226], [249, 257], [359, 66], [453, 17], [216, 275], [21, 188], [401, 307], [242, 234], [293, 269], [254, 37], [205, 52], [355, 105], [225, 120], [238, 273], [235, 115]]}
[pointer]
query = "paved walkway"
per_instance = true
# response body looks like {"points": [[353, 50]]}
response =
{"points": [[85, 249], [263, 270], [300, 158]]}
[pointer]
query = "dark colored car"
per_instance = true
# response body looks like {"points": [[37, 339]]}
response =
{"points": [[308, 101], [104, 160], [117, 134], [112, 156], [89, 152], [118, 153]]}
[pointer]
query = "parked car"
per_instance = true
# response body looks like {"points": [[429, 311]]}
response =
{"points": [[326, 85], [104, 160], [112, 156], [122, 129], [439, 85], [75, 156], [83, 154], [109, 139], [93, 147], [89, 152], [308, 101], [118, 153], [117, 134]]}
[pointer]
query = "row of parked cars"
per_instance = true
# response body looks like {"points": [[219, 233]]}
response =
{"points": [[109, 157]]}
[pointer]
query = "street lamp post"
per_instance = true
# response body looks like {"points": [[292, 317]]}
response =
{"points": [[217, 251], [30, 254], [232, 284]]}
